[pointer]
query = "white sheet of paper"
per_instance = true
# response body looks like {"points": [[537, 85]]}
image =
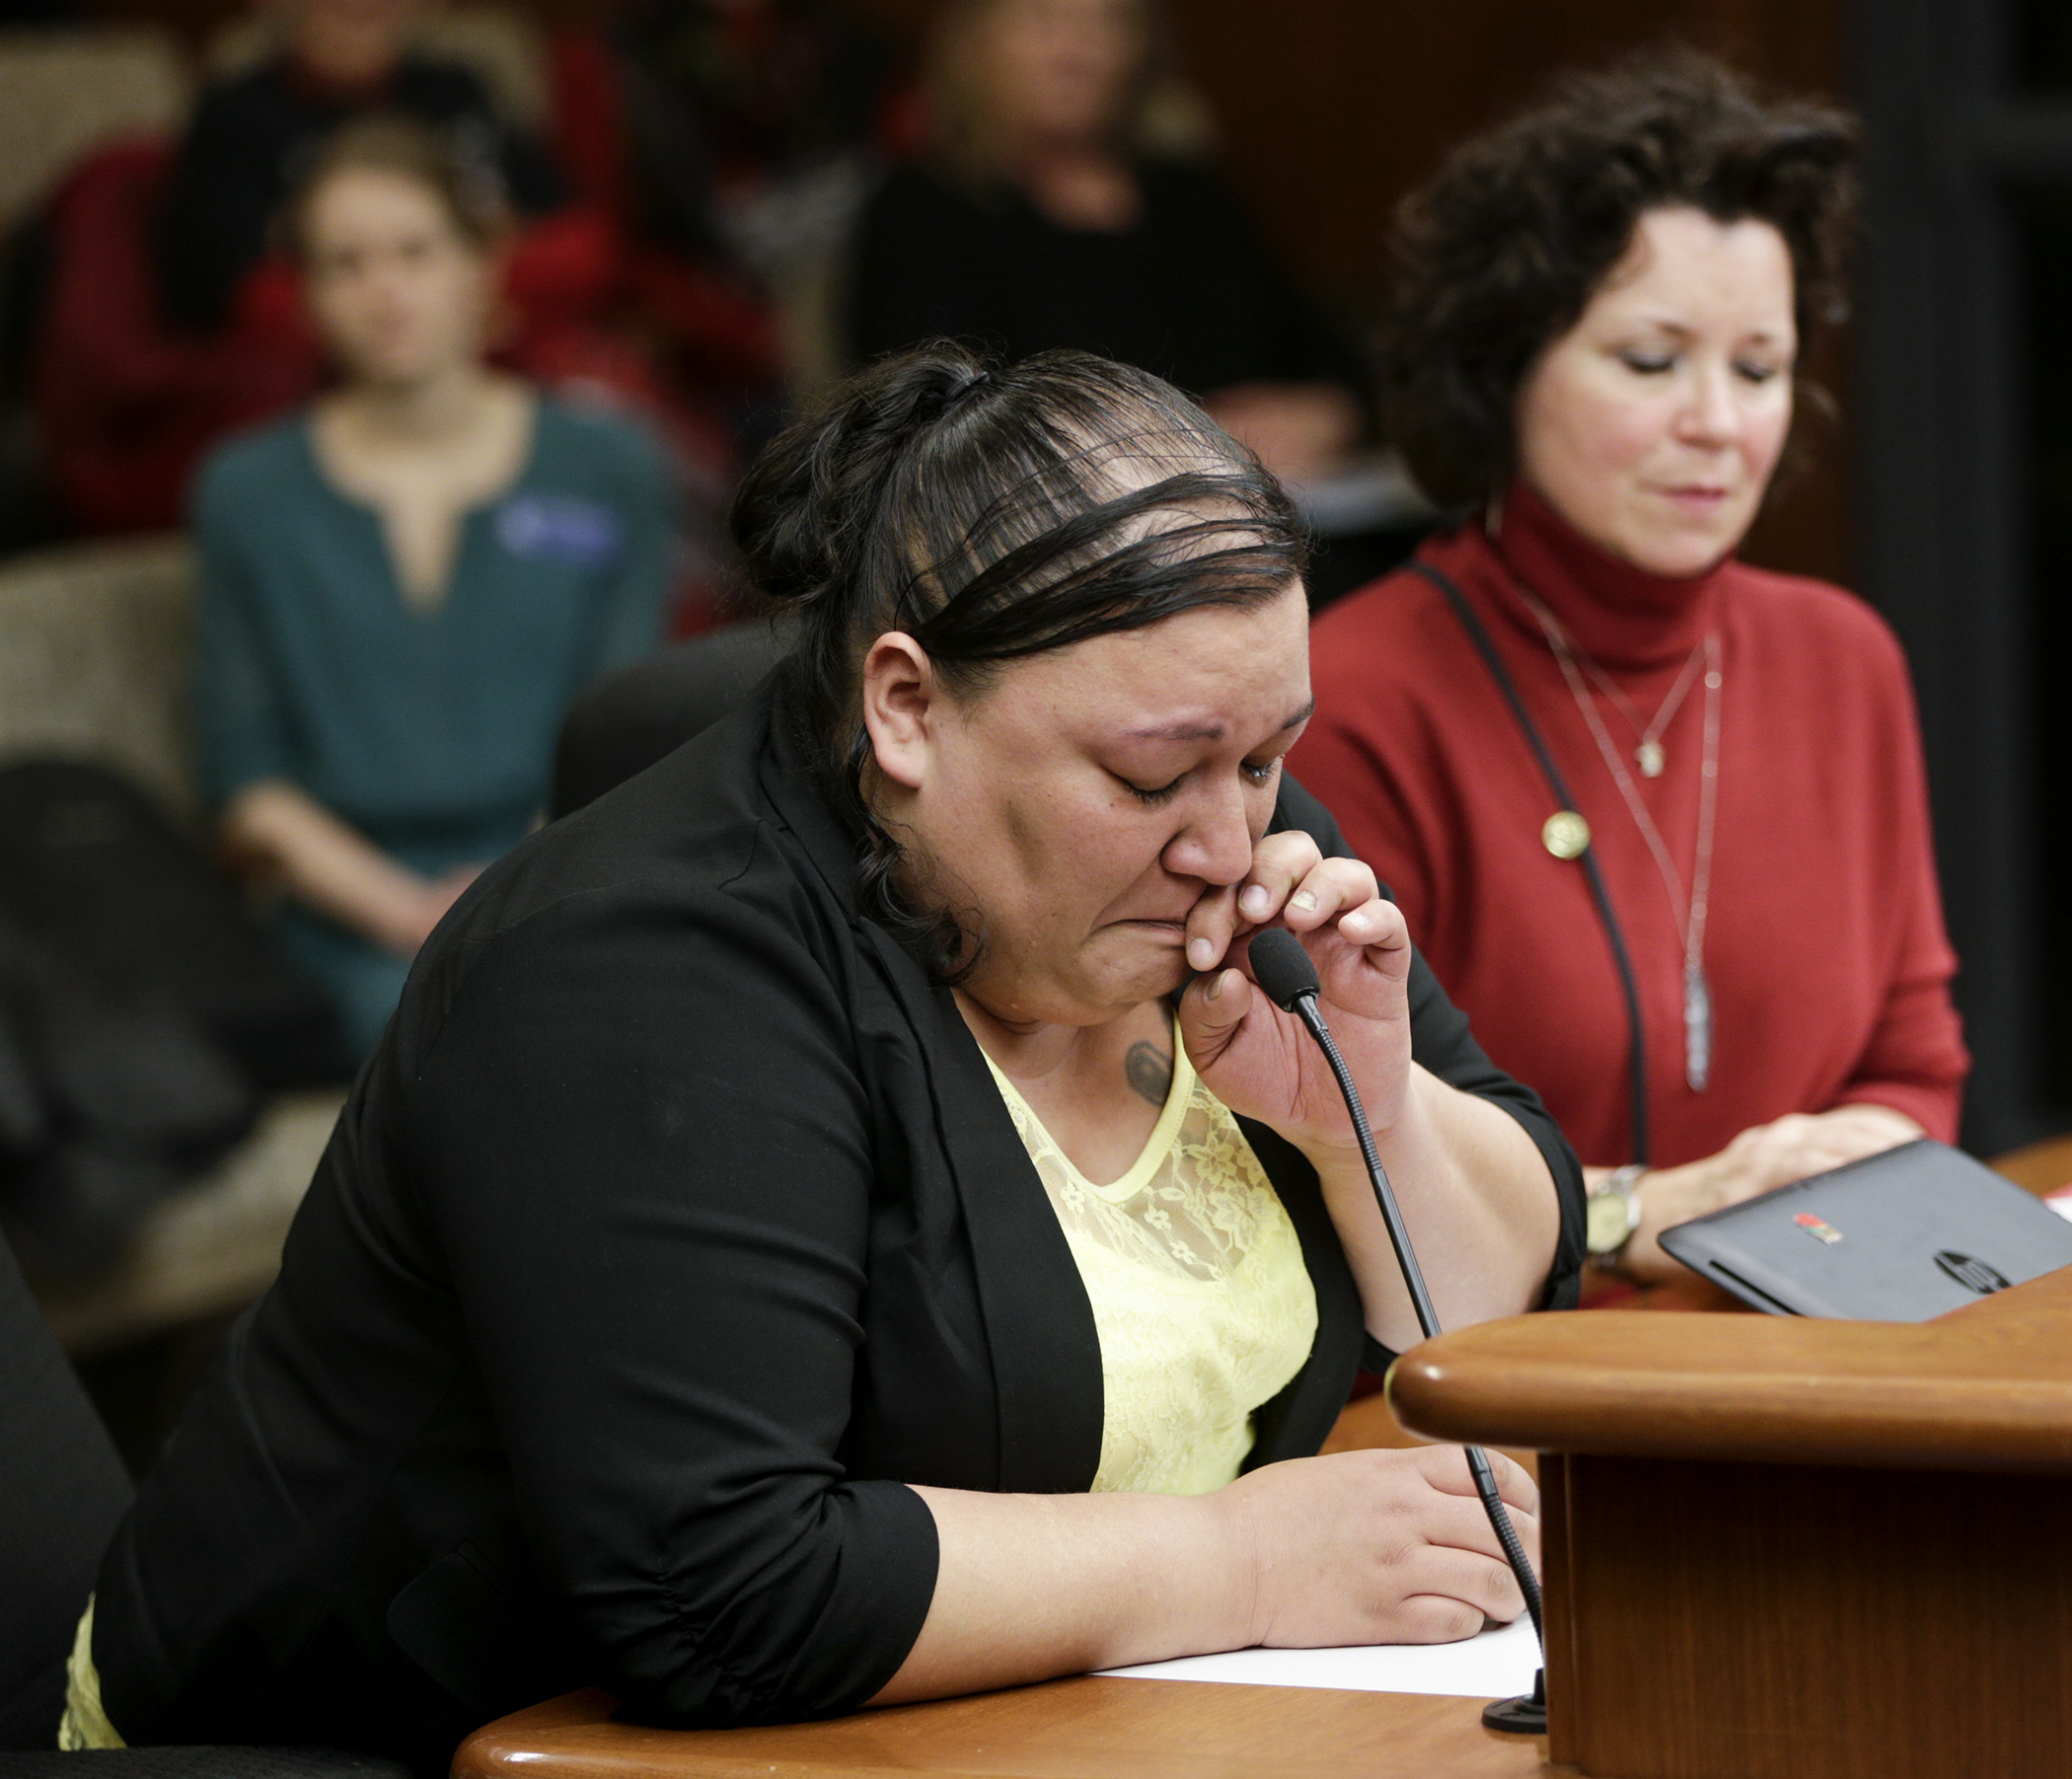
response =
{"points": [[1498, 1665]]}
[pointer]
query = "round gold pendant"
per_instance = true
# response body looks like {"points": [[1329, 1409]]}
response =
{"points": [[1565, 833]]}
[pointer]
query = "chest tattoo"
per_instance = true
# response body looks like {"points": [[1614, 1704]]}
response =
{"points": [[1150, 1070]]}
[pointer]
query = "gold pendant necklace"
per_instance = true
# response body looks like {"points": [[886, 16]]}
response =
{"points": [[1648, 755]]}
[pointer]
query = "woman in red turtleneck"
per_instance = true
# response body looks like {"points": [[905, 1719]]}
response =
{"points": [[1613, 400]]}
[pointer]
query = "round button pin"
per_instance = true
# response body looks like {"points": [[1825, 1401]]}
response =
{"points": [[1565, 833]]}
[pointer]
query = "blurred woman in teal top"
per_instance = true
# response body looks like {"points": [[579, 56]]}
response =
{"points": [[405, 586]]}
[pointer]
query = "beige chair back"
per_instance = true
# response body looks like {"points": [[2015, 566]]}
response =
{"points": [[95, 644], [64, 92]]}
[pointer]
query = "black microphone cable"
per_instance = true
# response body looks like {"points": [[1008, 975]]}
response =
{"points": [[1282, 970]]}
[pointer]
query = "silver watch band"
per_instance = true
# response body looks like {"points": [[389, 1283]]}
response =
{"points": [[1620, 1184]]}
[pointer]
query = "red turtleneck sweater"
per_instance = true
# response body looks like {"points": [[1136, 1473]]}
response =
{"points": [[1826, 951]]}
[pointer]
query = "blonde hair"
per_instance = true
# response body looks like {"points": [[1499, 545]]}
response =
{"points": [[1162, 115]]}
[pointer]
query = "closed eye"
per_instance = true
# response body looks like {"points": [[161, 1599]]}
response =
{"points": [[1148, 794], [1256, 772]]}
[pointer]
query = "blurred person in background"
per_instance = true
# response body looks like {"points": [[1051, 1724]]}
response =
{"points": [[168, 322], [404, 585], [1042, 216], [752, 132], [1657, 818], [252, 135]]}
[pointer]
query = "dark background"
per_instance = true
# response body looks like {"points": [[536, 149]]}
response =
{"points": [[1946, 499]]}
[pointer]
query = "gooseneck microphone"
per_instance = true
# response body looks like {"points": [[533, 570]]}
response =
{"points": [[1282, 968]]}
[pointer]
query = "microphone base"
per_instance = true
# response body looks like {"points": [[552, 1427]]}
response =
{"points": [[1522, 1716]]}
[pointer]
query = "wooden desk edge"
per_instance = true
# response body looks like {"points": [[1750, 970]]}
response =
{"points": [[1807, 1420], [1984, 1388], [1130, 1728]]}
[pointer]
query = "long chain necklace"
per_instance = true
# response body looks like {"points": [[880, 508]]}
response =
{"points": [[1648, 755], [1690, 912]]}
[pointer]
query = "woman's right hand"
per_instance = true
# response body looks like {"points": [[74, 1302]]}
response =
{"points": [[336, 869], [1356, 1549], [1377, 1547]]}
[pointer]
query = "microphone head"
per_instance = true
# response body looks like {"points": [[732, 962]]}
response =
{"points": [[1282, 967]]}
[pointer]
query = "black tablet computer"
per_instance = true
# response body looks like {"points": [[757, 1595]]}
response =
{"points": [[1896, 1237]]}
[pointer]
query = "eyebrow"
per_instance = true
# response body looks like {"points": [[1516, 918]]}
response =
{"points": [[1210, 731], [1682, 332]]}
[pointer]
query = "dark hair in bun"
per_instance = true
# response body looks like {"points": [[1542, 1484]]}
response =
{"points": [[992, 514]]}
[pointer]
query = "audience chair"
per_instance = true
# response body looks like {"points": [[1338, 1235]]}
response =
{"points": [[62, 1490], [201, 1763], [628, 720], [64, 92], [95, 641]]}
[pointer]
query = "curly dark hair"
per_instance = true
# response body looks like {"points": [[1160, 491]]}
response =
{"points": [[1502, 252]]}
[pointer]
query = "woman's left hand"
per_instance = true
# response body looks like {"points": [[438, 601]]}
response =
{"points": [[1259, 1061], [1760, 1159]]}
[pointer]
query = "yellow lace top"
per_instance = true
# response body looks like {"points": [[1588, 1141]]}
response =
{"points": [[1202, 1304]]}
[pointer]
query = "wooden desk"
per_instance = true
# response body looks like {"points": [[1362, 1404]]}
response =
{"points": [[2037, 1167], [1786, 1549], [1083, 1729], [1774, 1549]]}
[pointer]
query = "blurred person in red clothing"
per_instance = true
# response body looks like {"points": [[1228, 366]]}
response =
{"points": [[172, 321], [252, 134], [732, 142], [754, 125], [1658, 819]]}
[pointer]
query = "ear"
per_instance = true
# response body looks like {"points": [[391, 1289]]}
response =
{"points": [[901, 698]]}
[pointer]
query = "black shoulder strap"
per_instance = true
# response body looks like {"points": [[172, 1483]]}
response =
{"points": [[1485, 646]]}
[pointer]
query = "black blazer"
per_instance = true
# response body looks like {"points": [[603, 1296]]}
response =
{"points": [[674, 1226]]}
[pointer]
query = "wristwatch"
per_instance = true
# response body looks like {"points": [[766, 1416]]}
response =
{"points": [[1612, 1214]]}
